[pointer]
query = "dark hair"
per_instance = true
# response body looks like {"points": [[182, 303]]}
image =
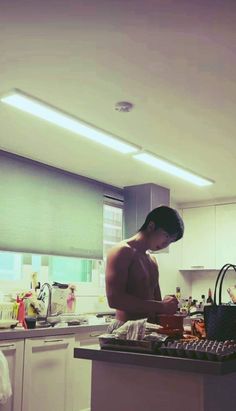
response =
{"points": [[166, 218]]}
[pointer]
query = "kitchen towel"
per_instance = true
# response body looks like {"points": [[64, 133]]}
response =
{"points": [[5, 383]]}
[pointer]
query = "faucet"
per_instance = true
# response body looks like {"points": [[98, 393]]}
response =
{"points": [[42, 295]]}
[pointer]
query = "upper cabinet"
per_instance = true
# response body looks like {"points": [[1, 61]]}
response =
{"points": [[199, 238], [139, 200], [225, 234]]}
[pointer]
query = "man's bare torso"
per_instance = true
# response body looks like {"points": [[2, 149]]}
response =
{"points": [[142, 280]]}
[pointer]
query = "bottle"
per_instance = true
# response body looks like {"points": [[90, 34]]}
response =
{"points": [[34, 281], [193, 306], [209, 300], [178, 296], [189, 303], [71, 300], [21, 312], [178, 293], [203, 302]]}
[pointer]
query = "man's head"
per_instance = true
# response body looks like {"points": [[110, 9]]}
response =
{"points": [[163, 225]]}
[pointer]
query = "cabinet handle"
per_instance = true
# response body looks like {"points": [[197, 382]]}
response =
{"points": [[53, 341], [197, 266], [8, 346]]}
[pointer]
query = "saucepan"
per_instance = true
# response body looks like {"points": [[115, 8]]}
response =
{"points": [[174, 321]]}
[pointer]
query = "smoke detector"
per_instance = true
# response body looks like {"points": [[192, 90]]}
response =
{"points": [[123, 106]]}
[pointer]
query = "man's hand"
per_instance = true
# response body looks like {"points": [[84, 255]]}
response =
{"points": [[170, 304]]}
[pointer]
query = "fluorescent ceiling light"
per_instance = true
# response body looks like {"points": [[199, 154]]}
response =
{"points": [[172, 169], [44, 111]]}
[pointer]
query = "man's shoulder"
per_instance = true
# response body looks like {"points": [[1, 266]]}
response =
{"points": [[122, 249]]}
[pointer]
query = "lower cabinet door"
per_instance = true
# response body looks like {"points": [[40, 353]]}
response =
{"points": [[82, 372], [48, 374], [14, 353]]}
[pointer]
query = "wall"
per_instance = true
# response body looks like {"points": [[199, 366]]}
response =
{"points": [[201, 281], [170, 277]]}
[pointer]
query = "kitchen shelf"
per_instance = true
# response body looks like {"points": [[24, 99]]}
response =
{"points": [[202, 269], [198, 269]]}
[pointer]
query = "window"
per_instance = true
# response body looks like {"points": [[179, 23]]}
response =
{"points": [[10, 266], [68, 269], [112, 227]]}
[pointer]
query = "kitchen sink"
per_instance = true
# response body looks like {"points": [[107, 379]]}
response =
{"points": [[46, 325]]}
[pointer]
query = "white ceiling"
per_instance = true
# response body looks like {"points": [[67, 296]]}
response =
{"points": [[175, 60]]}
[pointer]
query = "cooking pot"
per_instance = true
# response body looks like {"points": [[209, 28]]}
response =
{"points": [[174, 321]]}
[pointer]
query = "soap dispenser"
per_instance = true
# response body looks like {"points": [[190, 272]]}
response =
{"points": [[71, 299]]}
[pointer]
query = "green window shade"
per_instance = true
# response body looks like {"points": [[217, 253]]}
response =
{"points": [[44, 210], [70, 270]]}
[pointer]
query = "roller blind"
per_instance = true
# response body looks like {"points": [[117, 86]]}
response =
{"points": [[48, 211]]}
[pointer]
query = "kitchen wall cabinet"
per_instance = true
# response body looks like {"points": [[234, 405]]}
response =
{"points": [[14, 353], [48, 375], [225, 234], [198, 244]]}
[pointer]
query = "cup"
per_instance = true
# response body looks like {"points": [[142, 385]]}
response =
{"points": [[30, 322]]}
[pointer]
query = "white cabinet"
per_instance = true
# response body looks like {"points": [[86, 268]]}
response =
{"points": [[48, 374], [225, 234], [83, 371], [14, 353], [199, 238]]}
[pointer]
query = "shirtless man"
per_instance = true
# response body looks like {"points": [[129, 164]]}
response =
{"points": [[132, 277]]}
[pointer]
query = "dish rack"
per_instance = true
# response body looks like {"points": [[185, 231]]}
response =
{"points": [[8, 311]]}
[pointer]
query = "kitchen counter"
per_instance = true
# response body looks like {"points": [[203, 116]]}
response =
{"points": [[157, 361], [95, 326], [134, 382]]}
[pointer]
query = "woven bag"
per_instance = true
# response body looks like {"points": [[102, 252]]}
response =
{"points": [[220, 319]]}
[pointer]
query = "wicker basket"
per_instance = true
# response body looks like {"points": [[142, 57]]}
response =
{"points": [[8, 311]]}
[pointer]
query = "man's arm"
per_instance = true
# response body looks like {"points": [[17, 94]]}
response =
{"points": [[117, 266]]}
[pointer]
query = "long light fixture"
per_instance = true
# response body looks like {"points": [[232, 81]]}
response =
{"points": [[170, 168], [37, 108]]}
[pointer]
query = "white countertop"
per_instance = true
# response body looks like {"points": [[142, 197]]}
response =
{"points": [[94, 324]]}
